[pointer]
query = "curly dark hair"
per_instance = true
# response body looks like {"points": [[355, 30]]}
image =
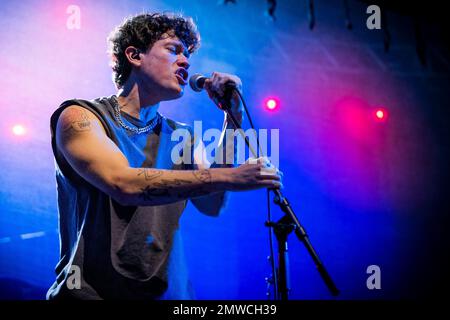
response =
{"points": [[142, 31]]}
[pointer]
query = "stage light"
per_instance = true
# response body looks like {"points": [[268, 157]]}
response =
{"points": [[19, 130], [381, 114], [271, 104]]}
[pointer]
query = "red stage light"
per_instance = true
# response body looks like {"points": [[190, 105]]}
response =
{"points": [[380, 114], [271, 104]]}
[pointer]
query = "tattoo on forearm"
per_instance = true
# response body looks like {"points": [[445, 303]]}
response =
{"points": [[149, 193], [165, 187], [150, 174], [173, 182], [174, 188], [78, 120], [202, 175]]}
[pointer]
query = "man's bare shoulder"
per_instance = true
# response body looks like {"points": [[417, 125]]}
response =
{"points": [[77, 119]]}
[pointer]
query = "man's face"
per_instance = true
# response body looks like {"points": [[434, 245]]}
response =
{"points": [[163, 70]]}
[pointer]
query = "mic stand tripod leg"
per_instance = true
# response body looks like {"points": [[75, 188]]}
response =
{"points": [[290, 218], [282, 228]]}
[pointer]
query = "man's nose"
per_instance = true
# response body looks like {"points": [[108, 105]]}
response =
{"points": [[183, 62]]}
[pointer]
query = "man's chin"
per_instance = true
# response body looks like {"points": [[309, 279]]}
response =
{"points": [[176, 94]]}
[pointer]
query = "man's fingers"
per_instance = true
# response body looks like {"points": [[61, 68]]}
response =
{"points": [[207, 87], [264, 161], [269, 174], [260, 160], [275, 184], [217, 85], [268, 171]]}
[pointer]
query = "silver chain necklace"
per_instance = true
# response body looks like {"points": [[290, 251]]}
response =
{"points": [[155, 121]]}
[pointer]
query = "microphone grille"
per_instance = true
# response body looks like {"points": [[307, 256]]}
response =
{"points": [[195, 82]]}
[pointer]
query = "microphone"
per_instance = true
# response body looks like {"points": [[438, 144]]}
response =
{"points": [[197, 82]]}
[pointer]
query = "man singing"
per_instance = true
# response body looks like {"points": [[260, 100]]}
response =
{"points": [[120, 193]]}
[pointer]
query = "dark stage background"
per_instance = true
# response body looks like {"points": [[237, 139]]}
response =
{"points": [[369, 192]]}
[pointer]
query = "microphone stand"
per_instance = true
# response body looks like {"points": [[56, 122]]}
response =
{"points": [[283, 227]]}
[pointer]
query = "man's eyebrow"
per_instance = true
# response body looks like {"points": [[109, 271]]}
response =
{"points": [[175, 42]]}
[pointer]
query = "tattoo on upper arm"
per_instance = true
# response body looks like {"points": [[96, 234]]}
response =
{"points": [[77, 120], [202, 175]]}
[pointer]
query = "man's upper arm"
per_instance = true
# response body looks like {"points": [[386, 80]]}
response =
{"points": [[81, 138]]}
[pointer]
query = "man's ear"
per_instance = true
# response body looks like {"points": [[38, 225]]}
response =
{"points": [[133, 55]]}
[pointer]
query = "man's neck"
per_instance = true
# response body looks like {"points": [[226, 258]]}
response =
{"points": [[135, 103]]}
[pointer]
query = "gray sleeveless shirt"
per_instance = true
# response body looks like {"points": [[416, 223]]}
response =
{"points": [[118, 252]]}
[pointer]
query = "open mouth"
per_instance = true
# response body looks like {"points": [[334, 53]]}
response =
{"points": [[182, 76]]}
